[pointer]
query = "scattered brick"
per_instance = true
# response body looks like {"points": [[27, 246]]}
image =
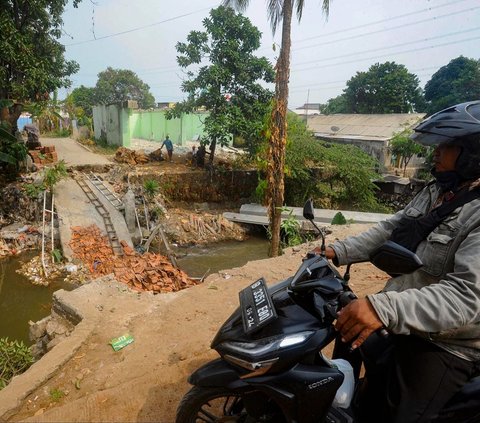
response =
{"points": [[147, 272]]}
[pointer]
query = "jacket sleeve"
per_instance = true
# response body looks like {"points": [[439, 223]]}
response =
{"points": [[451, 303], [358, 248]]}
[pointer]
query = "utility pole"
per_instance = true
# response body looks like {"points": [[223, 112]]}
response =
{"points": [[306, 109]]}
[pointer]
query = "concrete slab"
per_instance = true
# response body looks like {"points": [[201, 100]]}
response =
{"points": [[74, 209], [257, 214]]}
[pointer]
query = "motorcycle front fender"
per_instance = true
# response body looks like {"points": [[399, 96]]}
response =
{"points": [[217, 373]]}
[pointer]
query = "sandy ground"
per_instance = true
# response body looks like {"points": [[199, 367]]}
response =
{"points": [[146, 380]]}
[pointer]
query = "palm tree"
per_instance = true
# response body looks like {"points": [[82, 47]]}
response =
{"points": [[278, 11]]}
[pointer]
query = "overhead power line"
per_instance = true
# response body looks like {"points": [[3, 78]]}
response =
{"points": [[356, 53], [325, 85], [116, 34], [356, 36], [388, 54], [404, 15]]}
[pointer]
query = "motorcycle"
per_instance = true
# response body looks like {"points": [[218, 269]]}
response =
{"points": [[271, 367]]}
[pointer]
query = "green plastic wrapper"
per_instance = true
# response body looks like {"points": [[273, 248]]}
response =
{"points": [[121, 341]]}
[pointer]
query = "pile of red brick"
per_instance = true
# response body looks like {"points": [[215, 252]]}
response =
{"points": [[45, 155], [147, 272]]}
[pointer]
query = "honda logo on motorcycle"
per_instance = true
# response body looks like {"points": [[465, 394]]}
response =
{"points": [[322, 382]]}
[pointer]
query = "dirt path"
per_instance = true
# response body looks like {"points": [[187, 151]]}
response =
{"points": [[146, 380]]}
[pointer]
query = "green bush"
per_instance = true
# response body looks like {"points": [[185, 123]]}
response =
{"points": [[334, 175], [151, 187], [56, 394], [15, 358], [33, 190], [54, 174], [291, 230], [339, 219]]}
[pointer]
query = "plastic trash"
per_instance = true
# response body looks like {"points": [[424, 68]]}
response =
{"points": [[121, 341], [344, 394], [71, 268]]}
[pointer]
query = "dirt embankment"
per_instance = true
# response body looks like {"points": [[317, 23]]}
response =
{"points": [[172, 332]]}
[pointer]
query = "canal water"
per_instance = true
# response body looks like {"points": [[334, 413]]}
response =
{"points": [[20, 301], [200, 261]]}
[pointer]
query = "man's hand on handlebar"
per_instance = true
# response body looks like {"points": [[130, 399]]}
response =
{"points": [[329, 252], [357, 321]]}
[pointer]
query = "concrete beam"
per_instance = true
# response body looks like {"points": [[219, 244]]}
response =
{"points": [[255, 214]]}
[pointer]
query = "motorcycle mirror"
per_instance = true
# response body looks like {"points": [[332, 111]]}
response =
{"points": [[308, 212], [395, 260]]}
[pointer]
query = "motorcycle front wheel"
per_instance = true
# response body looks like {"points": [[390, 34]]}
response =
{"points": [[209, 405]]}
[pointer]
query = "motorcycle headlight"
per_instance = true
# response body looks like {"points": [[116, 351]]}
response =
{"points": [[256, 348]]}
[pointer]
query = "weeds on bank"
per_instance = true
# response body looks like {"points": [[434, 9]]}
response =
{"points": [[151, 187], [15, 358], [56, 394]]}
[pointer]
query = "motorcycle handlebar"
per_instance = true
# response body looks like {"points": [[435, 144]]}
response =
{"points": [[347, 297]]}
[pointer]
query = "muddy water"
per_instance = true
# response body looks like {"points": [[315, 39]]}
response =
{"points": [[20, 301], [200, 261]]}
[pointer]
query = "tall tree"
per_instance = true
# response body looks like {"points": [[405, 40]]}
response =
{"points": [[279, 11], [32, 65], [457, 82], [32, 62], [117, 85], [385, 88], [228, 84], [405, 148], [336, 104], [84, 97]]}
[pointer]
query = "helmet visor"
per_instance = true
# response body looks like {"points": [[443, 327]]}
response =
{"points": [[429, 140]]}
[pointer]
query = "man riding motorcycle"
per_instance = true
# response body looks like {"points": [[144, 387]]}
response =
{"points": [[434, 312]]}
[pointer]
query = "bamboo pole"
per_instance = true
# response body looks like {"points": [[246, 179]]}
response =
{"points": [[43, 233], [51, 229]]}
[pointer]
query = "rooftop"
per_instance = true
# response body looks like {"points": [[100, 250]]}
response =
{"points": [[360, 126]]}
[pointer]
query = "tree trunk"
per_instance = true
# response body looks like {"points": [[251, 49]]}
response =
{"points": [[278, 130], [213, 147], [11, 115]]}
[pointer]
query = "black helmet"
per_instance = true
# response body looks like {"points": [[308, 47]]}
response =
{"points": [[458, 125]]}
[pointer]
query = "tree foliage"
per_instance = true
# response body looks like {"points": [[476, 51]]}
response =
{"points": [[84, 97], [11, 151], [403, 147], [385, 88], [224, 77], [32, 63], [118, 85], [337, 104], [334, 175], [454, 83], [32, 59]]}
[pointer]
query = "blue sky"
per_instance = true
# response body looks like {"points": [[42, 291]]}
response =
{"points": [[140, 35]]}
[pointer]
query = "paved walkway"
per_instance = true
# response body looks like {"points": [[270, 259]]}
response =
{"points": [[73, 153], [74, 208]]}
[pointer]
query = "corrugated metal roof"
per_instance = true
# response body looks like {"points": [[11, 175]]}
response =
{"points": [[360, 126]]}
